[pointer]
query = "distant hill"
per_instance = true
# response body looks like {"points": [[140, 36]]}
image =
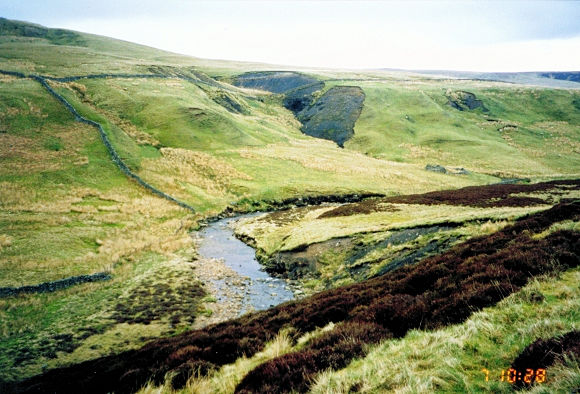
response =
{"points": [[567, 80]]}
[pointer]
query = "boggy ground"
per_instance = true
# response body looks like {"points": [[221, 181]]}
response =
{"points": [[442, 290], [328, 246]]}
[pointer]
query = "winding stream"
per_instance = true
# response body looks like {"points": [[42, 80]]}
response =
{"points": [[261, 291]]}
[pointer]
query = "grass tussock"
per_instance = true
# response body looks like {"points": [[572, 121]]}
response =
{"points": [[5, 241], [196, 168], [192, 378]]}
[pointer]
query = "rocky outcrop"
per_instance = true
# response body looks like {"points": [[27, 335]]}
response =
{"points": [[447, 170], [331, 116], [436, 168], [297, 99]]}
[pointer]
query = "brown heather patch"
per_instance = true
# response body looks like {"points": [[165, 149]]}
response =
{"points": [[498, 195], [370, 206], [442, 290], [545, 353], [476, 196], [172, 294]]}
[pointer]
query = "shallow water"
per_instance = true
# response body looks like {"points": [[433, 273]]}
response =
{"points": [[261, 291]]}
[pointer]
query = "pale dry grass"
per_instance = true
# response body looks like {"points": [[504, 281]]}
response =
{"points": [[12, 194], [271, 236], [568, 225], [164, 238], [199, 169], [8, 78], [492, 226], [564, 378], [325, 158], [62, 199], [26, 154], [424, 152], [554, 197], [561, 140], [350, 170], [123, 227]]}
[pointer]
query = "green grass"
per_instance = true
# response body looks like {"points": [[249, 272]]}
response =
{"points": [[31, 325], [413, 123], [66, 209]]}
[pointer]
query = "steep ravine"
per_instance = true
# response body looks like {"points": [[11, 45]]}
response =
{"points": [[329, 116]]}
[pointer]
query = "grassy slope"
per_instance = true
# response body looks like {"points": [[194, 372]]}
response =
{"points": [[443, 290], [255, 156], [412, 122], [66, 210]]}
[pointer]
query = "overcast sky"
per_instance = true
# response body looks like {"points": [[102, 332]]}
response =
{"points": [[452, 35]]}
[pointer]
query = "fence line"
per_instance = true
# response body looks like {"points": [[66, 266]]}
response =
{"points": [[112, 152], [49, 287]]}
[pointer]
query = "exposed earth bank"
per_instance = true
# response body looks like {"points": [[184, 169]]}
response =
{"points": [[329, 116]]}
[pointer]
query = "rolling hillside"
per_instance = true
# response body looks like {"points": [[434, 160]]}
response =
{"points": [[112, 154]]}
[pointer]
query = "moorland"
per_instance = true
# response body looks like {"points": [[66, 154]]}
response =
{"points": [[429, 221]]}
